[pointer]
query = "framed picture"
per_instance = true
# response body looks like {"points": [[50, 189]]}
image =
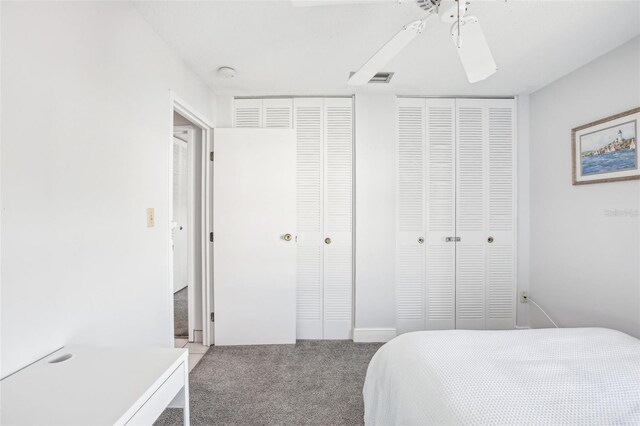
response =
{"points": [[606, 150]]}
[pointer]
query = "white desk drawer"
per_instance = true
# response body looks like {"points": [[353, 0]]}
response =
{"points": [[156, 404]]}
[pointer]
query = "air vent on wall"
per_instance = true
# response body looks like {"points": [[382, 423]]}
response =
{"points": [[381, 77]]}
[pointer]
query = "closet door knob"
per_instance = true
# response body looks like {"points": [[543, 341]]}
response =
{"points": [[327, 240], [490, 239], [421, 240], [287, 237]]}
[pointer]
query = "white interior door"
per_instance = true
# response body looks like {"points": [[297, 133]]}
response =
{"points": [[180, 214], [485, 192], [338, 218], [470, 213], [441, 213], [410, 284], [254, 262], [308, 119], [501, 214]]}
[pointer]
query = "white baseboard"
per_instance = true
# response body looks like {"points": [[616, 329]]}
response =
{"points": [[369, 335]]}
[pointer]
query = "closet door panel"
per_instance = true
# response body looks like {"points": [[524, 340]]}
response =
{"points": [[440, 287], [440, 213], [324, 173], [501, 181], [247, 113], [277, 113], [500, 295], [338, 218], [308, 119], [411, 236], [470, 286], [456, 178], [470, 213]]}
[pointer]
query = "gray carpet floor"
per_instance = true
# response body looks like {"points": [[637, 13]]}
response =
{"points": [[180, 313], [313, 382]]}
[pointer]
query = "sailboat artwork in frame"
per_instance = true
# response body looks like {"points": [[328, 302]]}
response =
{"points": [[606, 150]]}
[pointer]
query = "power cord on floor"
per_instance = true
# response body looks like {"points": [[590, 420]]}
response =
{"points": [[527, 298]]}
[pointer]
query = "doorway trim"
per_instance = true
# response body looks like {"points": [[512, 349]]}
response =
{"points": [[183, 108]]}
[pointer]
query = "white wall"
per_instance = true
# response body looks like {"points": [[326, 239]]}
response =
{"points": [[375, 200], [584, 262], [85, 150], [224, 111]]}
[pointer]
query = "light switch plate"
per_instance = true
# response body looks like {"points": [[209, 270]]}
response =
{"points": [[151, 218]]}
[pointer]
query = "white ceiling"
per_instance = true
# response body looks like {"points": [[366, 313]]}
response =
{"points": [[279, 49]]}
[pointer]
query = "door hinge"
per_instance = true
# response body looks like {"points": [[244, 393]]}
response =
{"points": [[211, 156], [213, 317], [451, 239], [210, 237]]}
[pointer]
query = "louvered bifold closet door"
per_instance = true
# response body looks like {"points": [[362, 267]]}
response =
{"points": [[277, 113], [410, 258], [308, 116], [338, 202], [485, 212], [440, 214], [500, 226], [470, 213], [247, 113]]}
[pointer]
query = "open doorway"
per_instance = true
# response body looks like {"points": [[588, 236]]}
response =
{"points": [[187, 230]]}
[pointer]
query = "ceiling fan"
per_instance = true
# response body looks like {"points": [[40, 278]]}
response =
{"points": [[465, 30]]}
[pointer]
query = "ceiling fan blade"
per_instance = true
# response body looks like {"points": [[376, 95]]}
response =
{"points": [[387, 52], [473, 49], [305, 3]]}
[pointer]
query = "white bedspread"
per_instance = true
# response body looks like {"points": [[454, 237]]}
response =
{"points": [[538, 377]]}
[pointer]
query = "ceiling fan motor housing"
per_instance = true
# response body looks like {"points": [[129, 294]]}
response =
{"points": [[450, 10]]}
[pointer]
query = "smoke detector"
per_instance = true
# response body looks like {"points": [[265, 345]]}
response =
{"points": [[226, 72]]}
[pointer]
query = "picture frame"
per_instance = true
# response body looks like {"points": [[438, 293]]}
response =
{"points": [[606, 150]]}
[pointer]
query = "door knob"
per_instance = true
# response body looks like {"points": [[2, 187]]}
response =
{"points": [[490, 239], [421, 240], [327, 240], [287, 237]]}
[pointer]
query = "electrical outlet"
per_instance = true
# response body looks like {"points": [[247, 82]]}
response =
{"points": [[524, 297], [151, 218]]}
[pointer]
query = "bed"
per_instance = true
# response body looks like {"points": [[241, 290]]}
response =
{"points": [[545, 376]]}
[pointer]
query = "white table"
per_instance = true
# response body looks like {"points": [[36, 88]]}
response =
{"points": [[97, 386]]}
